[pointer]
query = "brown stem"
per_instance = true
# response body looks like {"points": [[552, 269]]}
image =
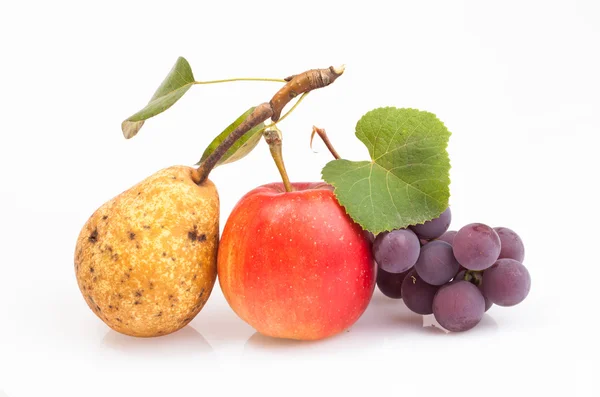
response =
{"points": [[273, 137], [323, 135], [296, 85], [301, 83]]}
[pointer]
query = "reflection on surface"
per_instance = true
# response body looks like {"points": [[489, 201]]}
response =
{"points": [[259, 346], [260, 341], [186, 341], [431, 326], [488, 323], [385, 315]]}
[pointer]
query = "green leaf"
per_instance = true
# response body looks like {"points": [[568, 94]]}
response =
{"points": [[241, 147], [407, 180], [177, 82]]}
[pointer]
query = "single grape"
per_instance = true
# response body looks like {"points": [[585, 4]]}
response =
{"points": [[458, 306], [423, 241], [435, 227], [390, 284], [448, 236], [507, 282], [476, 246], [369, 236], [417, 294], [396, 251], [511, 245], [436, 264]]}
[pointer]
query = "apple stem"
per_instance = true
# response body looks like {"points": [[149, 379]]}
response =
{"points": [[323, 135], [296, 85], [273, 138]]}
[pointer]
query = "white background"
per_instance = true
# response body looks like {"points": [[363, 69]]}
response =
{"points": [[516, 82]]}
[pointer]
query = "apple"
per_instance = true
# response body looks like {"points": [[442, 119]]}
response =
{"points": [[294, 264]]}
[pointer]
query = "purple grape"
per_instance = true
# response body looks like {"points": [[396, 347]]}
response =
{"points": [[475, 280], [417, 294], [458, 306], [390, 284], [369, 236], [448, 236], [476, 246], [488, 303], [507, 282], [436, 264], [435, 227], [396, 251], [511, 245]]}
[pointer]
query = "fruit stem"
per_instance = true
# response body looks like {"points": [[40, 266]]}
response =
{"points": [[298, 84], [273, 138], [301, 83], [473, 276], [240, 79], [323, 135], [291, 110]]}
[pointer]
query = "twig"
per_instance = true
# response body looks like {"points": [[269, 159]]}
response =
{"points": [[323, 135]]}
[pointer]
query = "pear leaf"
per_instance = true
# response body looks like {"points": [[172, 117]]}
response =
{"points": [[407, 180], [241, 147], [177, 82]]}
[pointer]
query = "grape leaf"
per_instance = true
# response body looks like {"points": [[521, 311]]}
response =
{"points": [[177, 82], [241, 147], [407, 180]]}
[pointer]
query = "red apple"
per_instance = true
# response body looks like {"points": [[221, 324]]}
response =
{"points": [[294, 264]]}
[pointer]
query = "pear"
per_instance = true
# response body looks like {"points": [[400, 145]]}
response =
{"points": [[146, 261]]}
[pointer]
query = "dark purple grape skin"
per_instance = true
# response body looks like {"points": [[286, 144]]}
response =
{"points": [[390, 284], [507, 282], [448, 236], [458, 306], [476, 246], [435, 227], [436, 264], [396, 251], [511, 245], [417, 294], [488, 303]]}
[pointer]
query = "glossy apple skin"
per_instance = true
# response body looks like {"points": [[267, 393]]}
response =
{"points": [[294, 265]]}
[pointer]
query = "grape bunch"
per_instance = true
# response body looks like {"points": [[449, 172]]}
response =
{"points": [[454, 275]]}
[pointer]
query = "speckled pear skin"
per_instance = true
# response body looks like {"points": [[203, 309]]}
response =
{"points": [[146, 261]]}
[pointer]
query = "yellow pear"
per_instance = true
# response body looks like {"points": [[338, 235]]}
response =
{"points": [[146, 261]]}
